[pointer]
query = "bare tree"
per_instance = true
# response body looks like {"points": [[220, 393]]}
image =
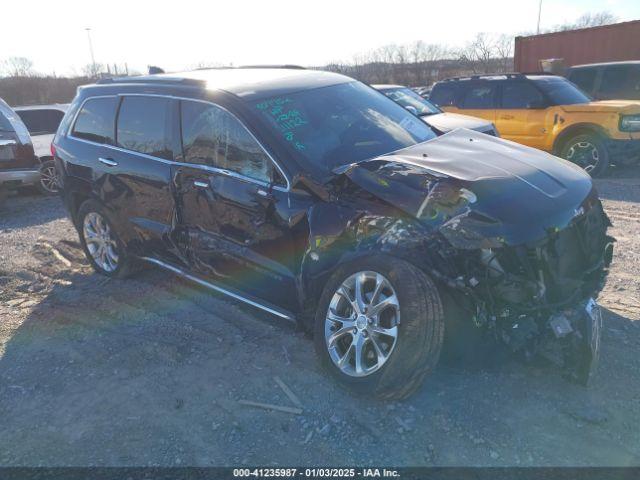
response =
{"points": [[93, 70], [17, 67], [504, 51], [588, 20], [479, 53]]}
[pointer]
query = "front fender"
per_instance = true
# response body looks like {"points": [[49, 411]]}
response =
{"points": [[340, 234]]}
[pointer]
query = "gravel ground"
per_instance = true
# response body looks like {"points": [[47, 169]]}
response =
{"points": [[150, 371]]}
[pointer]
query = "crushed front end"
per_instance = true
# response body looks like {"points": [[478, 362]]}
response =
{"points": [[539, 298]]}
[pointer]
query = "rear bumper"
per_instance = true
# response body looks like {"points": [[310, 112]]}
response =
{"points": [[16, 178], [625, 152]]}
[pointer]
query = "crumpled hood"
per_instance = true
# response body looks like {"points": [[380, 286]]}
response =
{"points": [[446, 122], [625, 107], [513, 193]]}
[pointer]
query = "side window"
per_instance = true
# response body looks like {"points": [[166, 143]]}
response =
{"points": [[96, 120], [444, 94], [142, 126], [41, 122], [584, 78], [520, 95], [616, 79], [212, 136], [480, 96]]}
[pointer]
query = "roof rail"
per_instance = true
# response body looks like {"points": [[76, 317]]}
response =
{"points": [[485, 75], [155, 79]]}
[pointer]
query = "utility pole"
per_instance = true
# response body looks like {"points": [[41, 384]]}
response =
{"points": [[93, 60], [539, 14]]}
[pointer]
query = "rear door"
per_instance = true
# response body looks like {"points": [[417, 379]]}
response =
{"points": [[127, 167], [229, 191], [522, 115]]}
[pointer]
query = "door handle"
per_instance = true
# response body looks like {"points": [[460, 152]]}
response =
{"points": [[108, 162], [200, 184], [506, 117], [5, 143]]}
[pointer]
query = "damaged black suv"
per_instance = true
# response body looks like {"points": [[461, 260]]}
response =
{"points": [[314, 197]]}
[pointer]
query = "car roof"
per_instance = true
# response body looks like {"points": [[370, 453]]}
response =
{"points": [[605, 64], [387, 86], [243, 82], [54, 106]]}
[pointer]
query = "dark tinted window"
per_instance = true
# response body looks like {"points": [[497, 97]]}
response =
{"points": [[43, 121], [142, 125], [584, 78], [341, 124], [479, 96], [96, 120], [444, 94], [560, 90], [214, 137], [623, 80], [521, 95]]}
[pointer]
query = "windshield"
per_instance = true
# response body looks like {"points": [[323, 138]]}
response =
{"points": [[561, 91], [408, 98], [341, 124]]}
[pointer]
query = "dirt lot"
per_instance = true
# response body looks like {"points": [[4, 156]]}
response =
{"points": [[149, 371]]}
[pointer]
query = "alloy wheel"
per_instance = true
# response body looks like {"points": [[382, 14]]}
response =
{"points": [[584, 154], [49, 178], [100, 242], [361, 326]]}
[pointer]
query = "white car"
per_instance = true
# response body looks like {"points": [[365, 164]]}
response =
{"points": [[431, 114], [42, 122]]}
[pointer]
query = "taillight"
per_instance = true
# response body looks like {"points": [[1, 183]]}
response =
{"points": [[53, 150]]}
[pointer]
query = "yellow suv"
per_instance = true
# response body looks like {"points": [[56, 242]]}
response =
{"points": [[550, 113]]}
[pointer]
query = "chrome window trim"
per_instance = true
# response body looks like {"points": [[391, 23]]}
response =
{"points": [[229, 173]]}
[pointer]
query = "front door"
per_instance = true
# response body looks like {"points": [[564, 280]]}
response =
{"points": [[229, 204]]}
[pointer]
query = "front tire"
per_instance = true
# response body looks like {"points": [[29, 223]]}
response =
{"points": [[379, 327], [101, 244], [587, 151]]}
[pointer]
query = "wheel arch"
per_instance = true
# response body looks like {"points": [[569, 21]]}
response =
{"points": [[574, 130]]}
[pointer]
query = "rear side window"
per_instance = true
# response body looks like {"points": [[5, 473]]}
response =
{"points": [[480, 96], [520, 95], [142, 126], [212, 136], [444, 94], [40, 122], [96, 120], [620, 79], [585, 78]]}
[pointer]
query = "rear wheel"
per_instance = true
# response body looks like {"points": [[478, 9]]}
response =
{"points": [[100, 242], [379, 327], [587, 151], [48, 178]]}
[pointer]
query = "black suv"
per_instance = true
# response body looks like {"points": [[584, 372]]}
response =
{"points": [[19, 165], [313, 197]]}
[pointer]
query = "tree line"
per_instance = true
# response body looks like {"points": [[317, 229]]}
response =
{"points": [[416, 64]]}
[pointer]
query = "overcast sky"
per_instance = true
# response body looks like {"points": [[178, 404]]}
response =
{"points": [[180, 34]]}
